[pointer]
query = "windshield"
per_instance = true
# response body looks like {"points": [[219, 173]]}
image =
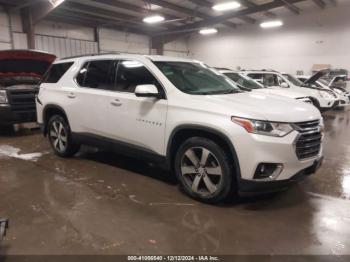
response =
{"points": [[196, 78], [244, 81], [293, 80], [325, 81]]}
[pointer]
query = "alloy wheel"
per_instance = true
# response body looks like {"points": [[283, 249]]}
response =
{"points": [[58, 136], [201, 171]]}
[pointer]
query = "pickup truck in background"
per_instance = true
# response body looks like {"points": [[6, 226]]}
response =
{"points": [[21, 72]]}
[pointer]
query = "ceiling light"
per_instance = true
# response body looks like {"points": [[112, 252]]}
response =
{"points": [[154, 7], [208, 31], [56, 3], [271, 24], [153, 19], [226, 6]]}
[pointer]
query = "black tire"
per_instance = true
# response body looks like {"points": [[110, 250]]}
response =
{"points": [[63, 146], [6, 129], [218, 160]]}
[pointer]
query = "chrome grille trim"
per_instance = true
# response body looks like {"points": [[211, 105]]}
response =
{"points": [[309, 142]]}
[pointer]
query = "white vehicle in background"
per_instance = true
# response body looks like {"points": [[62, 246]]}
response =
{"points": [[336, 78], [185, 116], [247, 83], [342, 94], [324, 100]]}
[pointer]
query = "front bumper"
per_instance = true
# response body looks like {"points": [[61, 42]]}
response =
{"points": [[249, 187], [252, 150], [326, 104], [8, 116], [344, 102]]}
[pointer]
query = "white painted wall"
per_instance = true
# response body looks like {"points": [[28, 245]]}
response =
{"points": [[178, 48], [64, 40], [64, 30], [118, 41], [315, 37], [5, 37]]}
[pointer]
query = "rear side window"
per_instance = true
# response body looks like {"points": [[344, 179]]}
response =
{"points": [[266, 79], [56, 72], [257, 77], [99, 74], [133, 73]]}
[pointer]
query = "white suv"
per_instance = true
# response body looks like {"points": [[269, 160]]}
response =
{"points": [[183, 115], [246, 82], [342, 94], [324, 100]]}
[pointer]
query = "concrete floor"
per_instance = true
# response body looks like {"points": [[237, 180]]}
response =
{"points": [[101, 203]]}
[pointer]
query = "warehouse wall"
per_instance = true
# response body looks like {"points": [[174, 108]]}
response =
{"points": [[65, 40], [314, 37], [70, 40], [179, 48], [5, 36], [117, 41]]}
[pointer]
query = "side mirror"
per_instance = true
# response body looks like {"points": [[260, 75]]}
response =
{"points": [[284, 85], [147, 91]]}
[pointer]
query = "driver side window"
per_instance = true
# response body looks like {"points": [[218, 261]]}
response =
{"points": [[281, 80], [270, 80], [131, 73]]}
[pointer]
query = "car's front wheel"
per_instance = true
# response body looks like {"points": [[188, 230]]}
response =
{"points": [[59, 134], [203, 169]]}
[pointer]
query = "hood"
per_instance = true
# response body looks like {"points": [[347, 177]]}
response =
{"points": [[256, 106], [23, 66], [280, 92], [317, 76]]}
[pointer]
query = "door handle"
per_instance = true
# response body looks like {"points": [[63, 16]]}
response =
{"points": [[116, 103], [71, 95]]}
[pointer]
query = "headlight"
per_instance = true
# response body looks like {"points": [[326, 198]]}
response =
{"points": [[264, 127], [3, 97], [325, 94]]}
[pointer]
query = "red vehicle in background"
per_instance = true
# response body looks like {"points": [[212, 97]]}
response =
{"points": [[21, 72]]}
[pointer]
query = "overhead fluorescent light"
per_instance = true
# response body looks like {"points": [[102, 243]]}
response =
{"points": [[154, 7], [270, 24], [226, 6], [56, 3], [153, 19], [208, 31]]}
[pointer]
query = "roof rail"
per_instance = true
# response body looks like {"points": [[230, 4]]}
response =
{"points": [[78, 56], [257, 70], [222, 68]]}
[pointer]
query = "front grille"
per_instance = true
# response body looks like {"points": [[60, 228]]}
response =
{"points": [[22, 100], [309, 142]]}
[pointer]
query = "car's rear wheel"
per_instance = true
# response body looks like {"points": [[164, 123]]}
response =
{"points": [[204, 170], [60, 137]]}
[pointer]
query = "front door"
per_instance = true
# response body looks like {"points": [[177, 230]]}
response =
{"points": [[138, 121]]}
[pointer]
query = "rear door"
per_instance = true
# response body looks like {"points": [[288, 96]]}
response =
{"points": [[89, 100]]}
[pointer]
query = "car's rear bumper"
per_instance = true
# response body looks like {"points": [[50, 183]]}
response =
{"points": [[253, 187], [8, 116]]}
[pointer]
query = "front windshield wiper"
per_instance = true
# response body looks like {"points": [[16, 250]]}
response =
{"points": [[217, 92], [233, 91]]}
